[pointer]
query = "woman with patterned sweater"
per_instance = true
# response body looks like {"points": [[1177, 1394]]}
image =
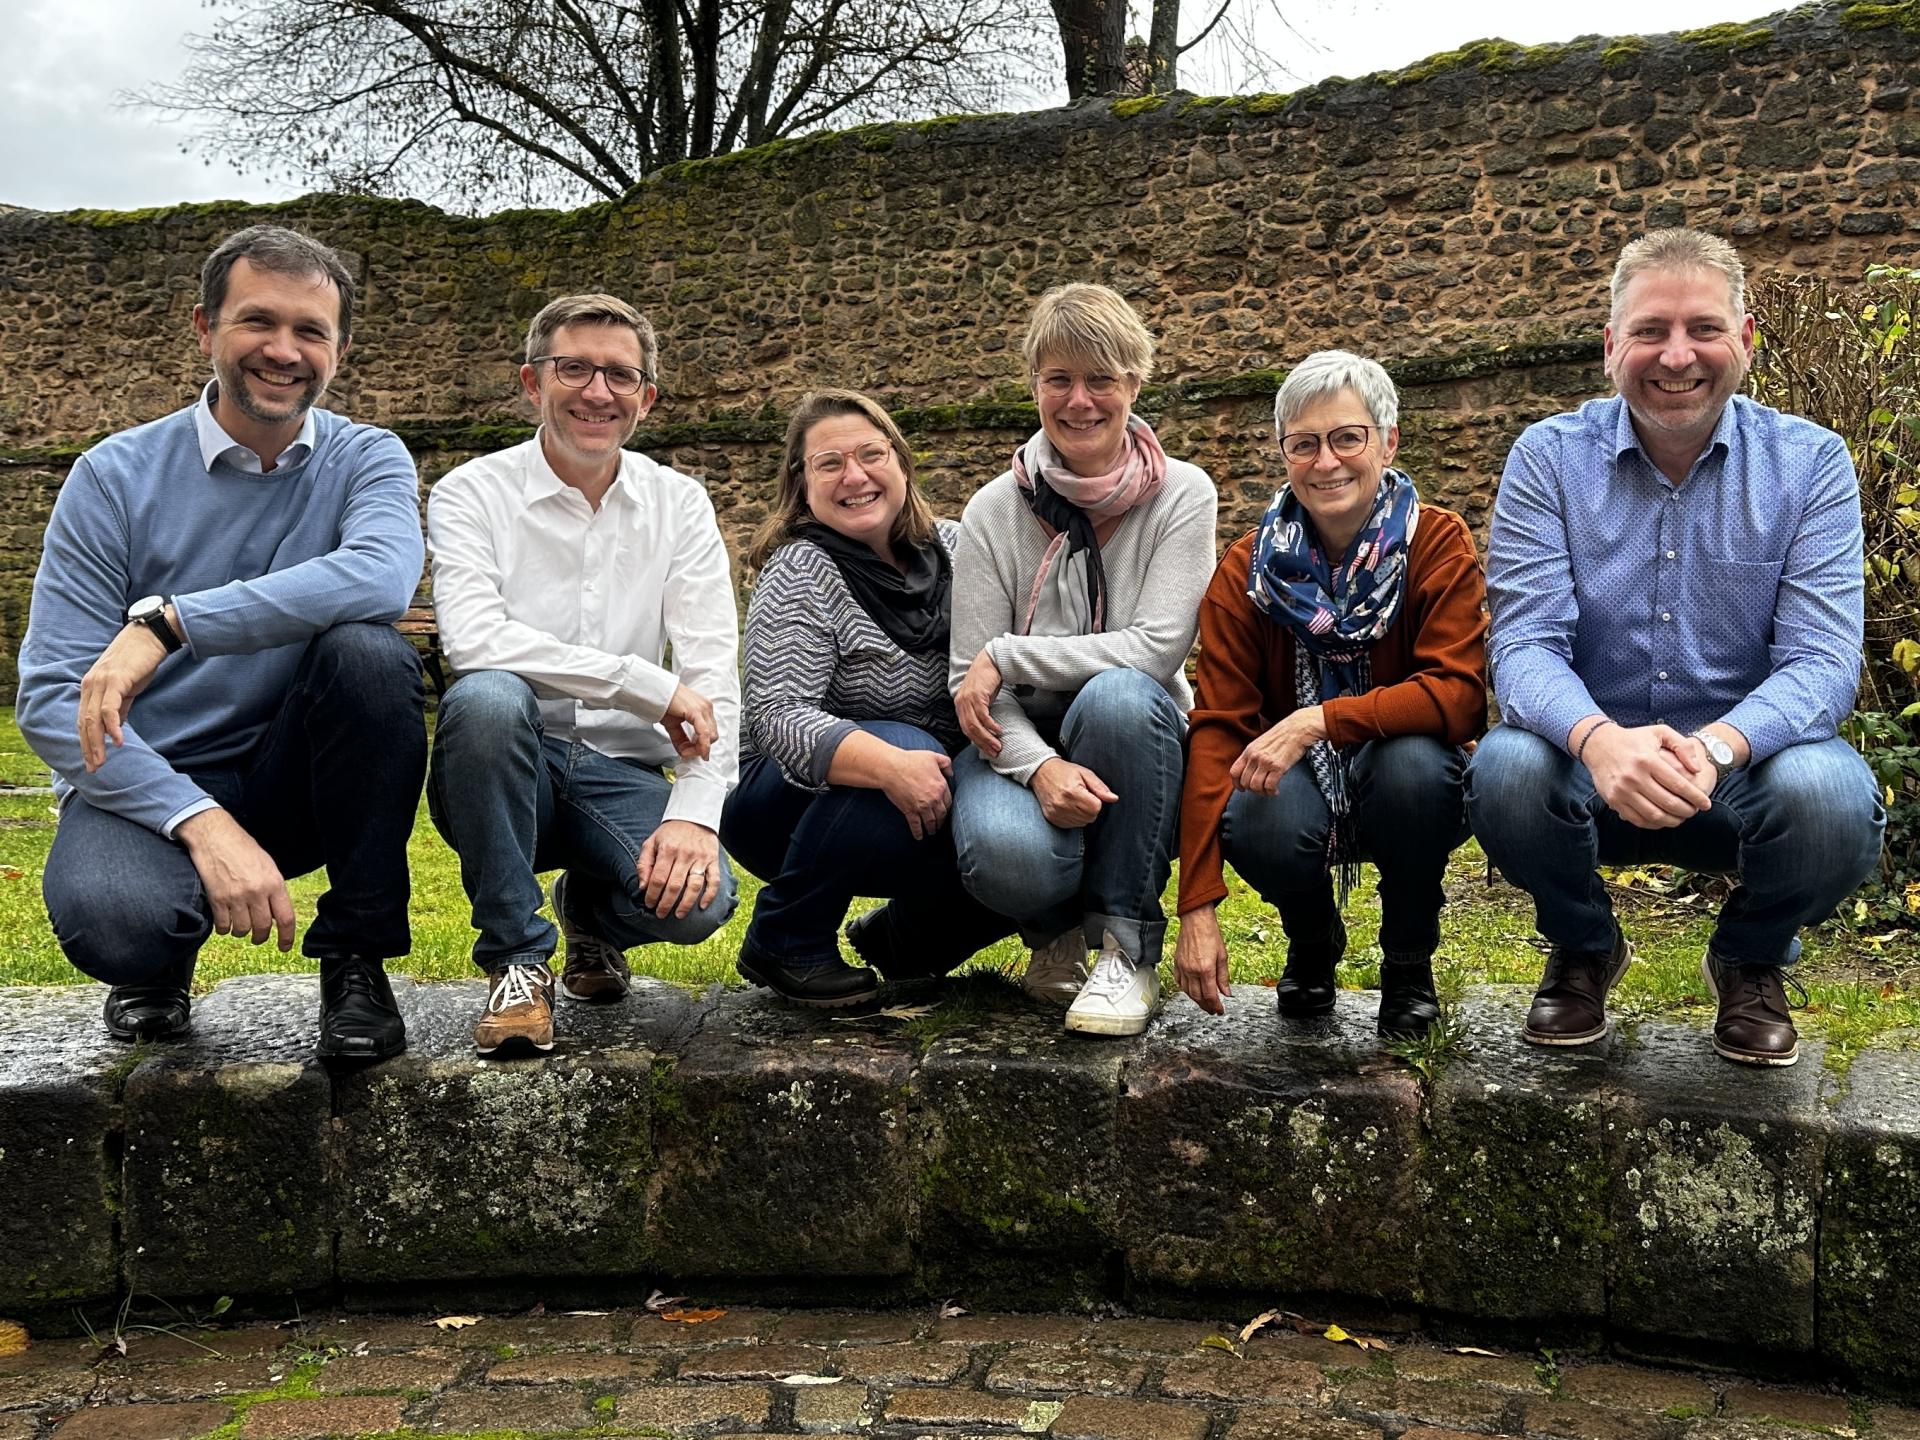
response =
{"points": [[844, 771], [1342, 669]]}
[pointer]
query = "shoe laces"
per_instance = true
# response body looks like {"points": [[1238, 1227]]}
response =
{"points": [[355, 980], [1753, 978], [515, 986], [1112, 976], [590, 952]]}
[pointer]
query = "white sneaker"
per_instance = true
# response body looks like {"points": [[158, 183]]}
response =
{"points": [[1057, 970], [1121, 996]]}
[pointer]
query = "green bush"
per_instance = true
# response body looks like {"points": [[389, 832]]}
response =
{"points": [[1846, 356]]}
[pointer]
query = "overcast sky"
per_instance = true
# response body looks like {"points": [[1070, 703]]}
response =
{"points": [[68, 140]]}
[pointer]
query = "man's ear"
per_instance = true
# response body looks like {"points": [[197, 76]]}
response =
{"points": [[530, 383], [203, 329]]}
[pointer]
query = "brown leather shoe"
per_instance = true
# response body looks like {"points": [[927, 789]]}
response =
{"points": [[1570, 1007], [596, 970], [1753, 1026], [519, 1014]]}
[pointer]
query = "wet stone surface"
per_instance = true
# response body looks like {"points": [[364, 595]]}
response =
{"points": [[1870, 1221]]}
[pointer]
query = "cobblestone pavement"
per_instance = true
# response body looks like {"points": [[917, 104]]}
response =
{"points": [[893, 1374]]}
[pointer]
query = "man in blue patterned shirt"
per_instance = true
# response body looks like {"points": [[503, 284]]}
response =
{"points": [[1676, 586]]}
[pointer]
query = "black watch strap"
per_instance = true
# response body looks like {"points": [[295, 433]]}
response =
{"points": [[152, 613]]}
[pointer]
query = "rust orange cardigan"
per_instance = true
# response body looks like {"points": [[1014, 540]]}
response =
{"points": [[1429, 674]]}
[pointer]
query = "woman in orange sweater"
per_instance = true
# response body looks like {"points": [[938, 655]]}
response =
{"points": [[1342, 669]]}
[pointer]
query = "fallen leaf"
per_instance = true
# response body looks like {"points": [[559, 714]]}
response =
{"points": [[12, 872], [1260, 1321], [1270, 981], [1220, 1342], [951, 1311], [893, 1012], [13, 1337], [457, 1322], [1476, 1350], [1367, 1342], [657, 1302], [691, 1317], [809, 1380], [1335, 1334], [1363, 1342]]}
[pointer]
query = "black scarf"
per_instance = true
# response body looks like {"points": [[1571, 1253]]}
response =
{"points": [[914, 608], [1070, 520]]}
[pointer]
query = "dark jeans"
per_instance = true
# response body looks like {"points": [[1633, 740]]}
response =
{"points": [[512, 801], [1409, 813], [816, 851], [1800, 829], [334, 782]]}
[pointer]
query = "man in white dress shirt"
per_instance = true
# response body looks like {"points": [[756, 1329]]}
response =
{"points": [[566, 571]]}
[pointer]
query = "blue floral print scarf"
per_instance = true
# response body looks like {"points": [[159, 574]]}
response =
{"points": [[1335, 616]]}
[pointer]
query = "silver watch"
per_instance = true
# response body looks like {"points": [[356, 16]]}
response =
{"points": [[1719, 752]]}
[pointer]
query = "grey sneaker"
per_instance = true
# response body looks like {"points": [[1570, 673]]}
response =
{"points": [[1057, 970], [596, 972]]}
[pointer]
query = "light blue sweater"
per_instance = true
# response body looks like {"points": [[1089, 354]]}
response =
{"points": [[255, 565]]}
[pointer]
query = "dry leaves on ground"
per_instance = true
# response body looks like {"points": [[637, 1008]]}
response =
{"points": [[13, 1337], [691, 1317], [457, 1322], [1365, 1342]]}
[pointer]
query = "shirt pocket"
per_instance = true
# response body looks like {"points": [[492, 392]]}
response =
{"points": [[1733, 603]]}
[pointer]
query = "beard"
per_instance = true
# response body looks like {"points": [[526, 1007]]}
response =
{"points": [[286, 405]]}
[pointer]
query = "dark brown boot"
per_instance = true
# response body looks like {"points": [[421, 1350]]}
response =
{"points": [[1753, 1026], [1570, 1007]]}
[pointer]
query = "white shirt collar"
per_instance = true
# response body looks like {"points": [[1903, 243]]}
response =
{"points": [[216, 444], [543, 480]]}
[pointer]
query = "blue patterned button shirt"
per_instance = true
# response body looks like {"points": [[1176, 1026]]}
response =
{"points": [[1736, 596]]}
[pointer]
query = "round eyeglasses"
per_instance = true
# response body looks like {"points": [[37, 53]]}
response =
{"points": [[1302, 447], [577, 374]]}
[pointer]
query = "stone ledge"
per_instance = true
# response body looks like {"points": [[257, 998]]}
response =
{"points": [[1643, 1188]]}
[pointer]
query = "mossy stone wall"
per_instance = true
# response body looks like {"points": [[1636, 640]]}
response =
{"points": [[1459, 216]]}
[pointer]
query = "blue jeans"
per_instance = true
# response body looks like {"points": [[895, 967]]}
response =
{"points": [[816, 851], [1800, 829], [1109, 875], [512, 802], [334, 781], [1409, 814]]}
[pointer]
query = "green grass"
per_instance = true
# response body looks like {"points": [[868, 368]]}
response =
{"points": [[1861, 990]]}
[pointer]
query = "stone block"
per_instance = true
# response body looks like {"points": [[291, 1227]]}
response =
{"points": [[1277, 1423], [313, 1419], [1870, 1224], [1626, 1387], [829, 1407], [455, 1167], [1027, 1370], [1089, 1417], [1517, 1173], [673, 1407], [848, 1327], [1411, 1403], [429, 1370], [229, 1148], [923, 1363], [1010, 1330], [1018, 1159], [1514, 1374], [1260, 1153], [784, 1146], [59, 1098], [1808, 1408], [1564, 1419], [1715, 1202], [968, 1407], [142, 1422], [577, 1367], [757, 1362], [553, 1407], [1219, 1376]]}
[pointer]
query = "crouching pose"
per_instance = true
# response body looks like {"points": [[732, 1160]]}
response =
{"points": [[850, 729], [563, 570], [1342, 669], [1075, 589], [212, 672]]}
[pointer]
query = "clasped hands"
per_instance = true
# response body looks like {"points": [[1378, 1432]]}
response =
{"points": [[1651, 776]]}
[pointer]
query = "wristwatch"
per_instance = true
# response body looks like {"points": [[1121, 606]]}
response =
{"points": [[152, 613], [1719, 752]]}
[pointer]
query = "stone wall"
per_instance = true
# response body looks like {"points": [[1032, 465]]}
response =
{"points": [[1457, 219]]}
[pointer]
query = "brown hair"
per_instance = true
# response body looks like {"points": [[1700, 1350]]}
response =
{"points": [[280, 251], [594, 309], [913, 526]]}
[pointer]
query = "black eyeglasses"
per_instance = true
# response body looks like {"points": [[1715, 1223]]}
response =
{"points": [[1302, 447], [577, 374]]}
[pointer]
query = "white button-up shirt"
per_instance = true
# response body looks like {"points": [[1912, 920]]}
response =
{"points": [[603, 612], [216, 444]]}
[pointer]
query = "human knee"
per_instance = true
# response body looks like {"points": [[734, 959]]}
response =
{"points": [[1016, 870], [1412, 779], [1123, 703], [489, 701], [701, 922], [122, 935], [1824, 797], [1509, 779], [375, 659], [1276, 846], [901, 735]]}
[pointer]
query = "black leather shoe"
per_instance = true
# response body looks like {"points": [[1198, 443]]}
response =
{"points": [[1570, 1007], [832, 986], [1306, 986], [1408, 1002], [148, 1012], [358, 1017]]}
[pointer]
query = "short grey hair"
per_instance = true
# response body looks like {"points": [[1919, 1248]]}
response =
{"points": [[593, 309], [1679, 249], [283, 252], [1326, 373]]}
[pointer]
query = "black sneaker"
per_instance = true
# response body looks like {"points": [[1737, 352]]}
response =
{"points": [[358, 1017], [831, 986], [148, 1012]]}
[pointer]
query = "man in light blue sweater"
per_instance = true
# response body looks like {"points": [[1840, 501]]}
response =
{"points": [[211, 671]]}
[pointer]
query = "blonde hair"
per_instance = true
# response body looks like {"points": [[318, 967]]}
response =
{"points": [[1092, 325], [593, 309], [913, 526], [1679, 249]]}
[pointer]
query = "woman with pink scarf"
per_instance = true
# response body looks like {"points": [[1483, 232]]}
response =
{"points": [[1076, 592]]}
